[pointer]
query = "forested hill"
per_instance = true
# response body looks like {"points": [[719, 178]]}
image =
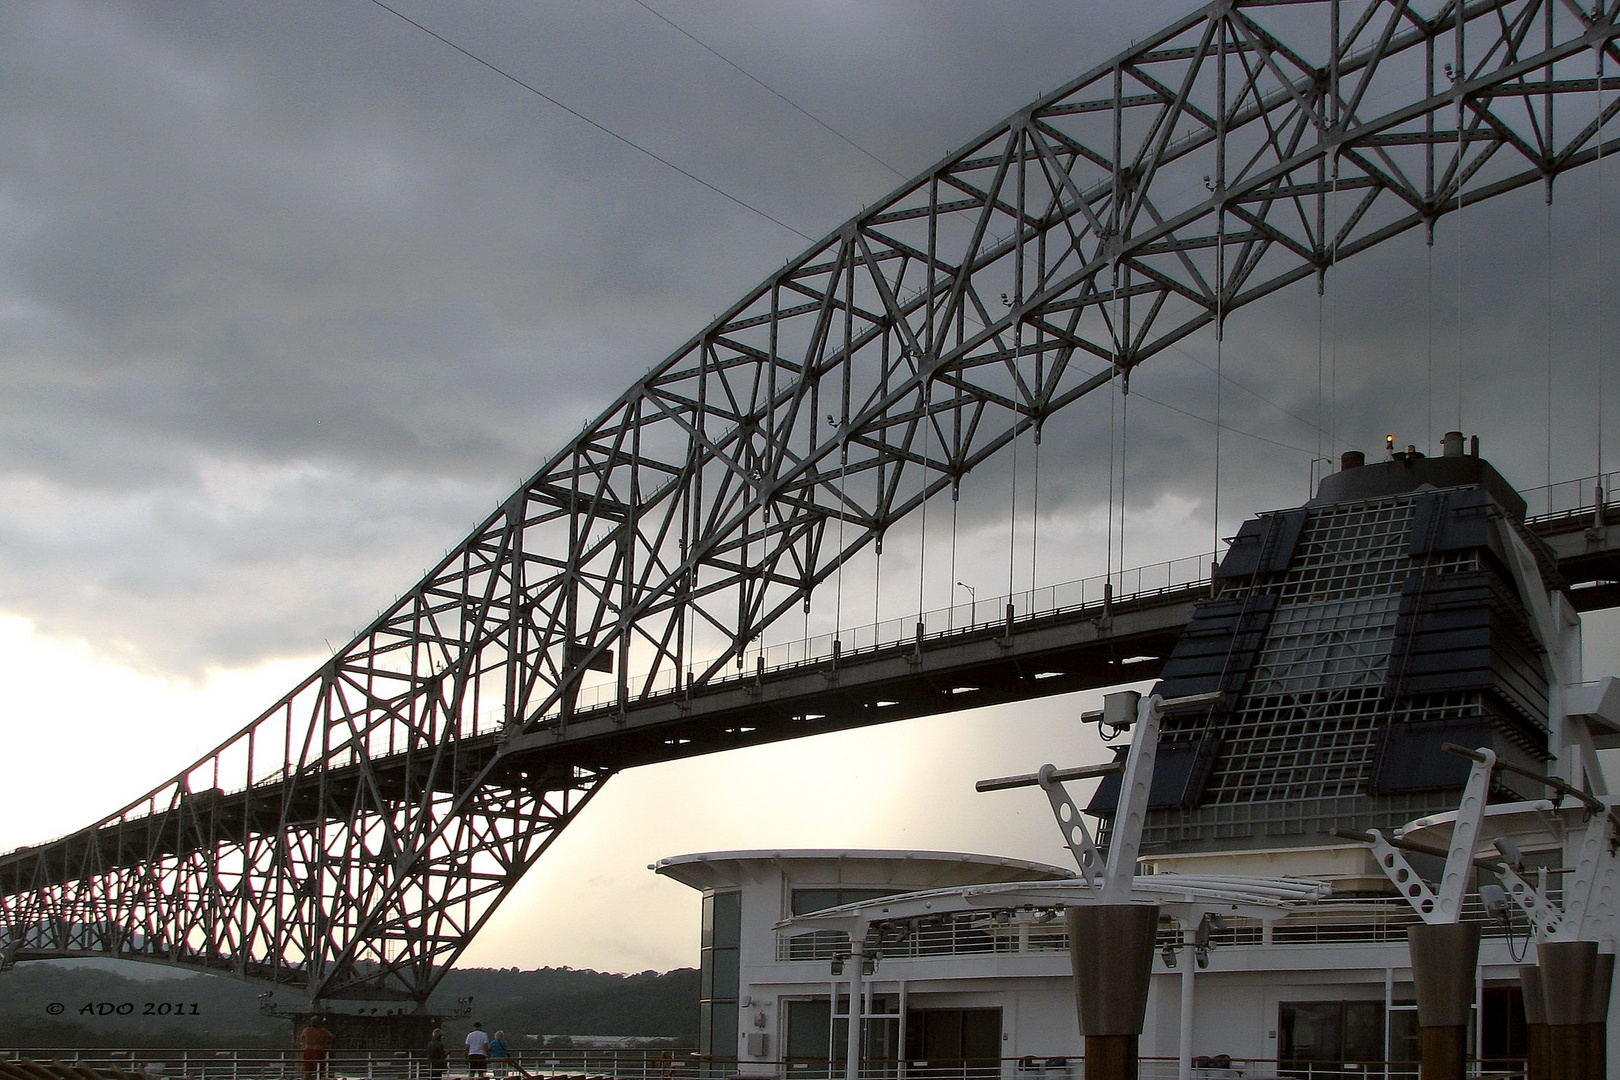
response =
{"points": [[565, 1001], [85, 1005]]}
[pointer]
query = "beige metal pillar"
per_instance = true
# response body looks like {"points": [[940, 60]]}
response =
{"points": [[1111, 952], [1444, 959]]}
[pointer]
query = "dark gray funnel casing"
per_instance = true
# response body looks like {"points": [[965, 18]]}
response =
{"points": [[1111, 952], [1444, 956]]}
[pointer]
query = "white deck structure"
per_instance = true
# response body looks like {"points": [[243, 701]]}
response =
{"points": [[985, 990]]}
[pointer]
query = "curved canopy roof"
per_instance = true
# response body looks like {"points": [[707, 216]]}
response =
{"points": [[1186, 896], [903, 869]]}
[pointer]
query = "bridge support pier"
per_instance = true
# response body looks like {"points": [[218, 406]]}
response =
{"points": [[395, 1026]]}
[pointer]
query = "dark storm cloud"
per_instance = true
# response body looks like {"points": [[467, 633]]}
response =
{"points": [[291, 293]]}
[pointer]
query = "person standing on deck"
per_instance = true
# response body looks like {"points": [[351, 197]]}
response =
{"points": [[437, 1055], [316, 1041], [477, 1050], [498, 1055]]}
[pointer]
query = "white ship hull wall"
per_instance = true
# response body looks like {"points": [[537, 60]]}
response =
{"points": [[1237, 998]]}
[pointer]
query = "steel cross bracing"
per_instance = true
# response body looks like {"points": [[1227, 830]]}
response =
{"points": [[1246, 147]]}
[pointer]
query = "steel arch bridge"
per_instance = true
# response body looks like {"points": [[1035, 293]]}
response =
{"points": [[351, 840]]}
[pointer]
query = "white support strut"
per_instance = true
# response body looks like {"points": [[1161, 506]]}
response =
{"points": [[1408, 882], [1443, 904], [1075, 834], [1134, 791], [1464, 835], [1546, 920], [1587, 897]]}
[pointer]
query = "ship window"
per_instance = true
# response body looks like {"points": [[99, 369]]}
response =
{"points": [[718, 975], [1330, 1031], [1504, 1031], [948, 1040]]}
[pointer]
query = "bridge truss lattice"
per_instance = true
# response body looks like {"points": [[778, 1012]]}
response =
{"points": [[351, 840]]}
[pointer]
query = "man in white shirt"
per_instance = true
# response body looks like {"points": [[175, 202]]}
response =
{"points": [[477, 1049]]}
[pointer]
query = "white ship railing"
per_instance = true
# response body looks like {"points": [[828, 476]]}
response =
{"points": [[273, 1064], [1347, 919]]}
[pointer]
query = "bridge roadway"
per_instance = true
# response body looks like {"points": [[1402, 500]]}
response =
{"points": [[1032, 656]]}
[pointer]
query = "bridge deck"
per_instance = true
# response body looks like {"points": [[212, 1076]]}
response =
{"points": [[1035, 656]]}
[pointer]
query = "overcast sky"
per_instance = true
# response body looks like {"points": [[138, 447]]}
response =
{"points": [[291, 294]]}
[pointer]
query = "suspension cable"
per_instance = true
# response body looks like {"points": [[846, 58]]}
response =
{"points": [[1220, 288], [1124, 448], [956, 503], [1549, 342], [1333, 330], [922, 548], [1220, 335], [1321, 355], [1040, 420], [1428, 292], [1018, 358], [1600, 496], [1012, 511], [843, 504], [1113, 409], [877, 585], [1460, 152], [1035, 518]]}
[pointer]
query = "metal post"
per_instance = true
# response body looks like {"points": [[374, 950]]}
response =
{"points": [[1444, 957], [852, 1064], [1111, 952], [1568, 971], [900, 1036], [1189, 965]]}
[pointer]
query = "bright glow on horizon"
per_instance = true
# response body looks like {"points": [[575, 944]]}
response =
{"points": [[92, 735]]}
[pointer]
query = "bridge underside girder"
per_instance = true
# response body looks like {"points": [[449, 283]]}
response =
{"points": [[1587, 545], [1051, 654]]}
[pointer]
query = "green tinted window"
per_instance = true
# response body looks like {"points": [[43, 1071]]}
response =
{"points": [[727, 918], [725, 975], [723, 1030], [719, 974]]}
